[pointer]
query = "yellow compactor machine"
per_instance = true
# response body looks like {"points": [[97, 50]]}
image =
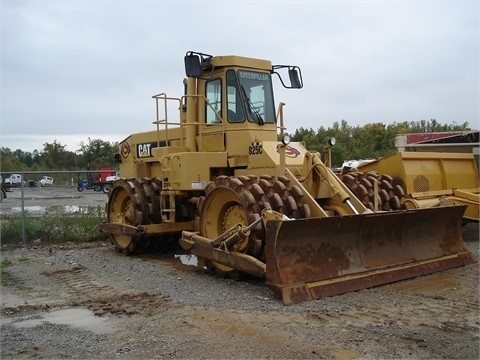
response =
{"points": [[418, 180], [224, 180]]}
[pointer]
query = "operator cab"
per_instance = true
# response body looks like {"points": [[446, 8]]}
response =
{"points": [[248, 92]]}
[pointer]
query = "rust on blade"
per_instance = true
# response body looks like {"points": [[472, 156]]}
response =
{"points": [[309, 259]]}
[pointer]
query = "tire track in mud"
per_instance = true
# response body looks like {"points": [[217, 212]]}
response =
{"points": [[102, 299], [406, 313], [448, 299]]}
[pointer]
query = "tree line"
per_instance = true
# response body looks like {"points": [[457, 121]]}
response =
{"points": [[360, 142], [91, 155], [369, 141]]}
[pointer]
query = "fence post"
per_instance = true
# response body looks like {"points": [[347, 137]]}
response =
{"points": [[22, 182]]}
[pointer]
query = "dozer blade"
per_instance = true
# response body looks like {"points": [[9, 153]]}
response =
{"points": [[312, 258]]}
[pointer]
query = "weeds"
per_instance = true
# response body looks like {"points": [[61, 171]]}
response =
{"points": [[53, 228], [4, 263], [3, 275]]}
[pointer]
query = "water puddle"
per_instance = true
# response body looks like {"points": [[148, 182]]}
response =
{"points": [[67, 209], [181, 262], [188, 259], [29, 209], [74, 209], [75, 317]]}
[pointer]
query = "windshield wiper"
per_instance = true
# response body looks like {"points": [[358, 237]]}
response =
{"points": [[252, 110]]}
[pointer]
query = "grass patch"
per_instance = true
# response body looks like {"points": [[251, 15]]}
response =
{"points": [[4, 263], [3, 275], [53, 228]]}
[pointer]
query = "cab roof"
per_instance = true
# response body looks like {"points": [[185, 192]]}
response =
{"points": [[234, 60]]}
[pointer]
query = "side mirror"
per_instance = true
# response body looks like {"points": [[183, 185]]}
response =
{"points": [[196, 63], [294, 75], [193, 66], [295, 79]]}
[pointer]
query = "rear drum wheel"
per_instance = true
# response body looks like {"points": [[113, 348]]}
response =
{"points": [[126, 205]]}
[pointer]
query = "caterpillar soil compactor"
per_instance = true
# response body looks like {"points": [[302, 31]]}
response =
{"points": [[418, 180], [219, 181]]}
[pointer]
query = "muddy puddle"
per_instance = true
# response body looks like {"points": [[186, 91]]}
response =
{"points": [[75, 317], [187, 259], [41, 210], [182, 262]]}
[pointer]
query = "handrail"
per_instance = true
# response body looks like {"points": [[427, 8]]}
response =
{"points": [[204, 126], [162, 97], [157, 122], [280, 118]]}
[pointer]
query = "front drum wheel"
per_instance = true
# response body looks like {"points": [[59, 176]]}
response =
{"points": [[221, 210], [226, 204]]}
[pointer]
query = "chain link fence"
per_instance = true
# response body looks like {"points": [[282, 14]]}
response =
{"points": [[53, 206]]}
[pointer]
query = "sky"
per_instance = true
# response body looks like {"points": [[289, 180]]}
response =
{"points": [[73, 70]]}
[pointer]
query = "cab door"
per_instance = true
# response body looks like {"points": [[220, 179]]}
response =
{"points": [[211, 137]]}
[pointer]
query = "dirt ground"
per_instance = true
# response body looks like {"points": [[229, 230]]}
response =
{"points": [[90, 302]]}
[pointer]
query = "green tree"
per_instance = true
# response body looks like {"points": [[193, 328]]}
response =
{"points": [[53, 155], [368, 141], [9, 161], [97, 153]]}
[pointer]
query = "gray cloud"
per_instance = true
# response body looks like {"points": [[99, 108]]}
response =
{"points": [[76, 69]]}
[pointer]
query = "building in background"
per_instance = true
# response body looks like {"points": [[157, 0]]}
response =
{"points": [[451, 141]]}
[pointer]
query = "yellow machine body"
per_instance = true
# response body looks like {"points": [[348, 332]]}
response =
{"points": [[428, 177], [223, 180]]}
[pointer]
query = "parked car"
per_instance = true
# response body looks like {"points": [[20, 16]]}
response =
{"points": [[46, 180], [30, 183], [14, 180]]}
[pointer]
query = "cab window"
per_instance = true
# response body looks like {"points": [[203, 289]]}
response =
{"points": [[256, 88], [213, 91], [234, 100]]}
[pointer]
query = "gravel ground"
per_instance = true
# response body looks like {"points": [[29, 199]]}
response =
{"points": [[90, 302]]}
